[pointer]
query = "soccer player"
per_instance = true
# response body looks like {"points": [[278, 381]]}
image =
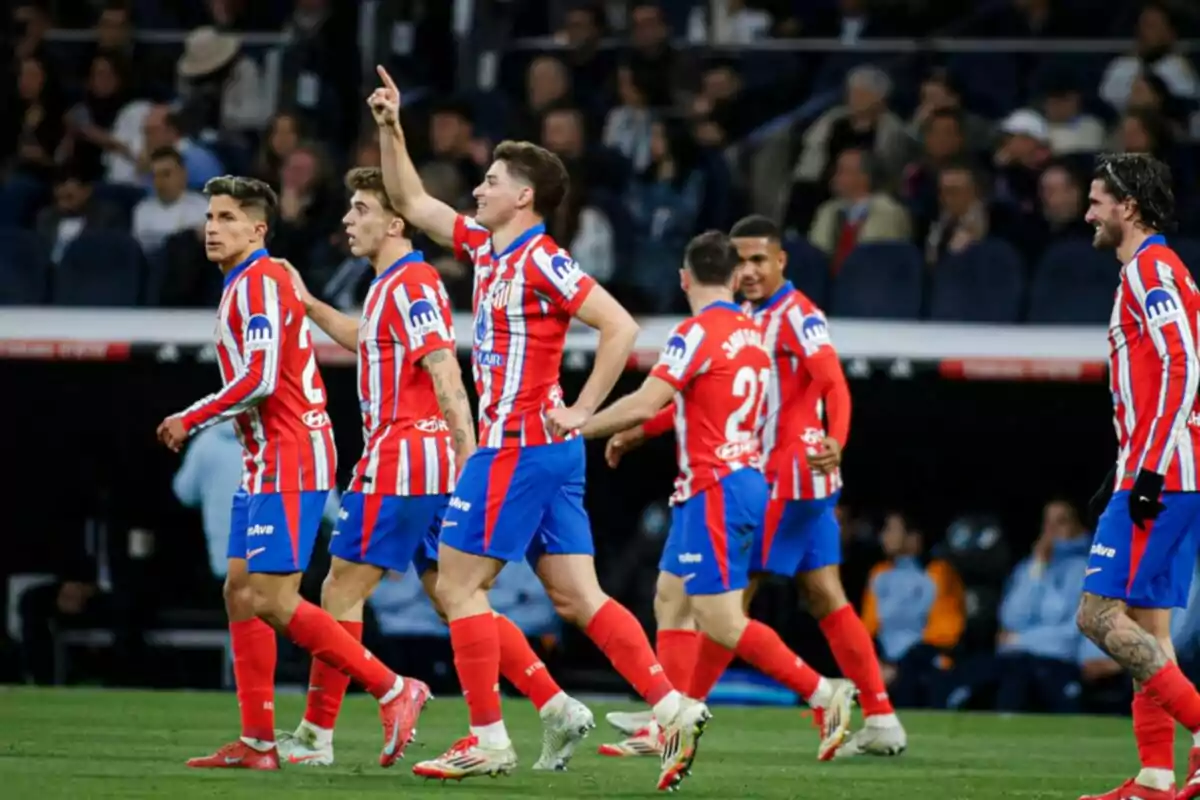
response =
{"points": [[716, 365], [274, 394], [418, 432], [521, 493], [1142, 555], [802, 452]]}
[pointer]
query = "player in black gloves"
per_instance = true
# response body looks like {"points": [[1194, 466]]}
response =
{"points": [[1145, 499]]}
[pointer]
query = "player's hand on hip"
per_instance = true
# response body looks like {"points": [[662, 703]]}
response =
{"points": [[829, 458], [1145, 503], [172, 433], [621, 443], [385, 101], [563, 421]]}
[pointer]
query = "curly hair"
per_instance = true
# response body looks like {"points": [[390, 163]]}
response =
{"points": [[1145, 180]]}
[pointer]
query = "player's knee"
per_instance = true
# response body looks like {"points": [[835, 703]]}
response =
{"points": [[577, 604], [239, 598], [719, 622], [339, 596], [429, 581]]}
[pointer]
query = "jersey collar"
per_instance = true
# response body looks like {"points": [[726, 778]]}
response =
{"points": [[522, 240], [231, 276], [1157, 238], [722, 304], [780, 293], [412, 258]]}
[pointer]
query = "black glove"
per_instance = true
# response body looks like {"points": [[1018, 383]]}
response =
{"points": [[1100, 499], [1144, 502]]}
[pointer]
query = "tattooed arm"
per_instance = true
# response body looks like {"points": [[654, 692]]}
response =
{"points": [[1104, 621], [452, 399]]}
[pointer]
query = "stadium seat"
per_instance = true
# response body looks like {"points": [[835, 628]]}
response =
{"points": [[807, 269], [881, 281], [1074, 284], [983, 283], [24, 268], [100, 268]]}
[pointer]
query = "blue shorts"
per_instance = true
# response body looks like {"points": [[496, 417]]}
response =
{"points": [[713, 534], [516, 502], [1150, 568], [275, 532], [388, 531], [799, 536]]}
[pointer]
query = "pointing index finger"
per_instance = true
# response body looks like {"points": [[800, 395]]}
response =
{"points": [[388, 83]]}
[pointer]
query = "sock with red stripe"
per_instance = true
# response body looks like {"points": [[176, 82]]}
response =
{"points": [[327, 687], [476, 643], [620, 637], [254, 653], [1154, 731], [712, 659], [762, 647], [855, 655], [522, 667], [320, 634], [677, 651], [1176, 694]]}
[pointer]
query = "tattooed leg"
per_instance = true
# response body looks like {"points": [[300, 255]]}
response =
{"points": [[1105, 621]]}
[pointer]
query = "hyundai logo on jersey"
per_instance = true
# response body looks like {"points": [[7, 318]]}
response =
{"points": [[1161, 306], [423, 317], [259, 332]]}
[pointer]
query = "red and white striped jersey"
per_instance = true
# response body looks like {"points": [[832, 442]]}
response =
{"points": [[720, 369], [524, 300], [408, 450], [797, 337], [273, 390], [1154, 368]]}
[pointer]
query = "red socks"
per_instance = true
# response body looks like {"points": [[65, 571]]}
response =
{"points": [[327, 686], [317, 632], [1170, 689], [855, 655], [677, 652], [620, 637], [476, 644], [254, 649], [1154, 731], [521, 666], [763, 648], [712, 660]]}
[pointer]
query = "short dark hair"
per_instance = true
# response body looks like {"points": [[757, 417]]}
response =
{"points": [[251, 194], [1145, 180], [712, 259], [538, 167], [159, 153], [756, 226]]}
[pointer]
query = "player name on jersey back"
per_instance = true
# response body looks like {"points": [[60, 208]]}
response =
{"points": [[720, 369], [273, 390]]}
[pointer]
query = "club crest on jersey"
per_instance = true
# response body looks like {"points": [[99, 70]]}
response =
{"points": [[500, 294], [423, 318], [260, 334], [1162, 306], [480, 327], [814, 333]]}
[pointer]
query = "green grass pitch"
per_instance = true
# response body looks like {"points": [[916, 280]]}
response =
{"points": [[87, 745]]}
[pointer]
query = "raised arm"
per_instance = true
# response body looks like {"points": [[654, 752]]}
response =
{"points": [[400, 178]]}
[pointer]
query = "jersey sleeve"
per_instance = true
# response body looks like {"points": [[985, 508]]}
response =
{"points": [[261, 337], [424, 323], [469, 236], [557, 276], [1160, 305], [682, 357], [660, 423], [805, 334]]}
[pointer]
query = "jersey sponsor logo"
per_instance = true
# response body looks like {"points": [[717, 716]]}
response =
{"points": [[423, 318], [459, 504], [260, 334], [1102, 551], [814, 333], [315, 419], [260, 530], [1162, 306], [1194, 419], [691, 558], [486, 358], [431, 425], [675, 355], [732, 451]]}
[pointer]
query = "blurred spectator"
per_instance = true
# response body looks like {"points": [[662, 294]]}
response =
{"points": [[858, 213], [172, 208], [163, 128], [728, 22], [320, 70], [848, 21], [1062, 206], [1024, 19], [73, 211], [1069, 129], [940, 92], [35, 128], [283, 135], [221, 89], [208, 477], [309, 207], [724, 100], [943, 143], [91, 123], [367, 153], [31, 21], [590, 66], [591, 169], [1020, 158], [915, 611], [1143, 132], [668, 74], [1151, 94], [627, 128], [547, 86], [452, 141], [963, 218], [664, 201], [1153, 51]]}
